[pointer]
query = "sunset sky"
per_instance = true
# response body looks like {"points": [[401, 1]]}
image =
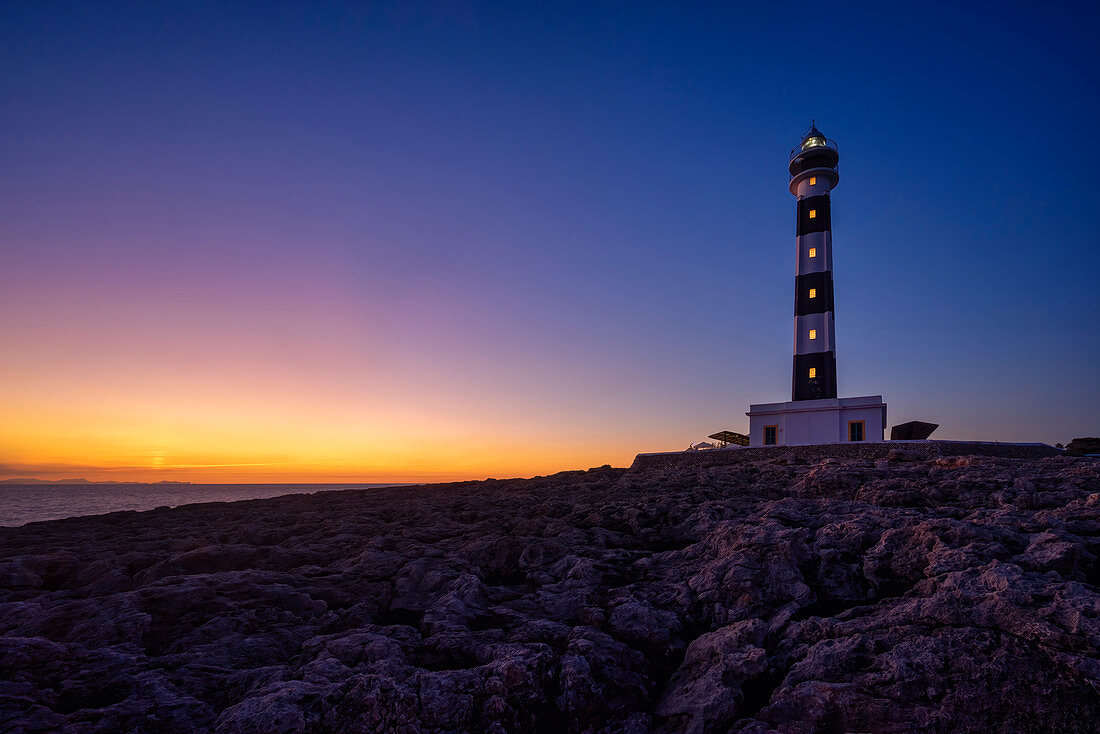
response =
{"points": [[317, 242]]}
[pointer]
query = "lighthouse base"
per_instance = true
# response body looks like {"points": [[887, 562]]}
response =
{"points": [[812, 422]]}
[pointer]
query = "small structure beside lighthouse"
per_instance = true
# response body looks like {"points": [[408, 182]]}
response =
{"points": [[815, 414]]}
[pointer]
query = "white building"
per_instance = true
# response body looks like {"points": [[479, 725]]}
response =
{"points": [[807, 422], [815, 414]]}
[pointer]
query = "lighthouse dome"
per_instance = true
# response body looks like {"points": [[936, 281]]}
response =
{"points": [[813, 139], [814, 152]]}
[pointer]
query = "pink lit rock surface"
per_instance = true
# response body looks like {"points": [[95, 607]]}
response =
{"points": [[954, 594]]}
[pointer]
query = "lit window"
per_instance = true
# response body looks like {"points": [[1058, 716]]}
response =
{"points": [[813, 214], [813, 180], [771, 434], [813, 252], [813, 372], [813, 293], [813, 333]]}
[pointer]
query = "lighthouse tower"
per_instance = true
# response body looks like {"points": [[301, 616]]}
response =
{"points": [[813, 176], [815, 414]]}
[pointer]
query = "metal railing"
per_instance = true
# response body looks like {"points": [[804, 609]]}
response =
{"points": [[799, 149]]}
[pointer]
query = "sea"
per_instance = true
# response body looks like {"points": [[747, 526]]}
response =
{"points": [[24, 503]]}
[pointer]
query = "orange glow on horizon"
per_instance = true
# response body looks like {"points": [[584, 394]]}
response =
{"points": [[200, 443], [98, 397], [145, 452]]}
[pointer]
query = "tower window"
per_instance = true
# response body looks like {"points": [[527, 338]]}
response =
{"points": [[813, 252], [771, 435], [813, 213], [813, 333], [813, 293], [855, 430], [813, 180], [813, 372]]}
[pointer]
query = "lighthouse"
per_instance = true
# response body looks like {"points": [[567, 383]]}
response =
{"points": [[813, 168], [815, 415]]}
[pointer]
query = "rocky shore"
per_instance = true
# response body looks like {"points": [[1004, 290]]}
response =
{"points": [[894, 594]]}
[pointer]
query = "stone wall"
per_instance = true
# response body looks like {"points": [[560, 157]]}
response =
{"points": [[868, 451]]}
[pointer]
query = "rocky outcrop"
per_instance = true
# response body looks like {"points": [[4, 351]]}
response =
{"points": [[867, 451], [901, 593], [1084, 446]]}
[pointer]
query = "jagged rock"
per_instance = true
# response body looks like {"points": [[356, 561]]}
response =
{"points": [[706, 694], [889, 595]]}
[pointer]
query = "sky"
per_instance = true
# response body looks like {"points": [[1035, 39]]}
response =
{"points": [[430, 241]]}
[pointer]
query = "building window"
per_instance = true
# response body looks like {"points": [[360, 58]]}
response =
{"points": [[813, 372], [855, 430], [813, 252], [813, 333], [813, 293], [813, 180], [813, 214], [771, 435]]}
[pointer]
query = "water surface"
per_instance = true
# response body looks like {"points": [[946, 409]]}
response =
{"points": [[24, 503]]}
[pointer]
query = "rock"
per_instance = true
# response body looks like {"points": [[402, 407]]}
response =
{"points": [[1083, 446], [284, 708], [888, 595], [1067, 555], [903, 455], [706, 692]]}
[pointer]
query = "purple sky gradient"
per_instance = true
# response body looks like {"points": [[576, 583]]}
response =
{"points": [[548, 236]]}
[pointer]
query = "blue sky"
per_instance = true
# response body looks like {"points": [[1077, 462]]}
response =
{"points": [[575, 215]]}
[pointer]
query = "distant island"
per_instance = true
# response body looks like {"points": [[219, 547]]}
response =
{"points": [[21, 480]]}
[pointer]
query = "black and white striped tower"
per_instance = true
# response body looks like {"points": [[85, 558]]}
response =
{"points": [[813, 175]]}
